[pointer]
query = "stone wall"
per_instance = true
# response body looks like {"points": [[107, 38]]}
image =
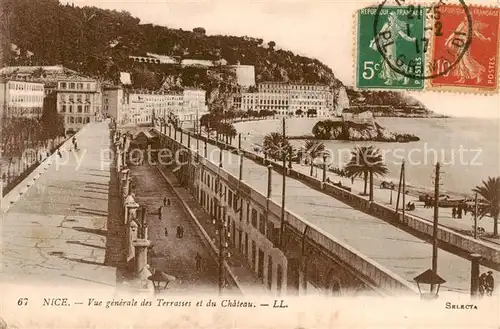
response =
{"points": [[464, 244], [257, 208]]}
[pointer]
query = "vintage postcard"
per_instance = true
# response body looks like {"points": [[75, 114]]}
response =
{"points": [[249, 164]]}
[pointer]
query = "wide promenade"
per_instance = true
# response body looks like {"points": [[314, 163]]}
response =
{"points": [[56, 233], [66, 230], [393, 248]]}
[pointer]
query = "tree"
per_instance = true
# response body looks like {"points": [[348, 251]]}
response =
{"points": [[52, 124], [199, 30], [299, 112], [314, 150], [271, 44], [490, 192], [366, 161], [311, 113], [276, 146]]}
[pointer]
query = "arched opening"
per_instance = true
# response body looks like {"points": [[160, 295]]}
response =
{"points": [[333, 285]]}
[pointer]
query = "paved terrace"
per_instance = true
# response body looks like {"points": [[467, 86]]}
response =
{"points": [[391, 247], [66, 229], [56, 233]]}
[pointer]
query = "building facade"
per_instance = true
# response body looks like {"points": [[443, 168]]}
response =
{"points": [[245, 74], [194, 104], [21, 98], [139, 107], [114, 102], [79, 101], [290, 99]]}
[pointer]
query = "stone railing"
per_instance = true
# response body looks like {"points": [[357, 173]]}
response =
{"points": [[136, 230], [381, 277], [465, 244], [16, 193]]}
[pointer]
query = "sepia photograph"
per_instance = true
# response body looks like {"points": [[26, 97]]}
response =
{"points": [[249, 164]]}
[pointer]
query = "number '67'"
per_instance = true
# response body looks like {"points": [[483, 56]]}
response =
{"points": [[22, 301]]}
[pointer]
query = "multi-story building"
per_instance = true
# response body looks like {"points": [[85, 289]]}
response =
{"points": [[274, 96], [21, 98], [79, 101], [114, 102], [290, 99], [194, 104], [245, 74], [139, 107]]}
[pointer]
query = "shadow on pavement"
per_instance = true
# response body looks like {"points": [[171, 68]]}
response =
{"points": [[85, 244], [90, 230]]}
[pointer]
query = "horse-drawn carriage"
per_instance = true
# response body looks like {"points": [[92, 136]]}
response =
{"points": [[387, 185]]}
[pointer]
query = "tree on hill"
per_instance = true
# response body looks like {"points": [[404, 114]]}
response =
{"points": [[199, 30], [97, 42]]}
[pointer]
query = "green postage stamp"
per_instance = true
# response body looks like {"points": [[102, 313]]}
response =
{"points": [[390, 48]]}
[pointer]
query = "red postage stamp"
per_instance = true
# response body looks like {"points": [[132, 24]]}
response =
{"points": [[465, 48]]}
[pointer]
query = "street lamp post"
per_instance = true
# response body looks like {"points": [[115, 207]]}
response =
{"points": [[283, 191], [324, 168], [435, 226], [431, 278]]}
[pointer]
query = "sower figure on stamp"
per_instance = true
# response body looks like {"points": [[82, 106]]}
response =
{"points": [[467, 67], [387, 40]]}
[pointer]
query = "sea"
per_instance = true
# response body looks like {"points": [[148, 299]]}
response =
{"points": [[468, 149]]}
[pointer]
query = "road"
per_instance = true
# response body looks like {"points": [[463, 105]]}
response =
{"points": [[391, 247], [175, 256]]}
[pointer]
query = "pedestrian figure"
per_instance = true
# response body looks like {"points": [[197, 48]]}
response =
{"points": [[181, 231], [165, 201], [166, 232], [168, 202], [481, 283], [178, 231], [453, 212], [352, 180], [489, 283], [459, 212], [197, 260], [465, 210], [59, 153]]}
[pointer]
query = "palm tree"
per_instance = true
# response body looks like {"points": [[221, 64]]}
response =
{"points": [[490, 192], [366, 161], [275, 145], [314, 150]]}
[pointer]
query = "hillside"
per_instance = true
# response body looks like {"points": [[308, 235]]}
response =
{"points": [[98, 43]]}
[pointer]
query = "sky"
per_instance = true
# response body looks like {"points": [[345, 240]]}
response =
{"points": [[322, 29]]}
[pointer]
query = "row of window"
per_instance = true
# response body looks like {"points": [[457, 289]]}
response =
{"points": [[26, 98], [22, 111], [77, 120], [75, 85], [75, 108], [279, 88], [25, 86], [72, 97], [239, 239]]}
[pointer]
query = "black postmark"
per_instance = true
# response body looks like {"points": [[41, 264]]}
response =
{"points": [[432, 29]]}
